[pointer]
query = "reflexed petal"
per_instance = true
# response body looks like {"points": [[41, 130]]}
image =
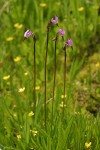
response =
{"points": [[61, 32], [28, 33], [54, 20], [69, 42]]}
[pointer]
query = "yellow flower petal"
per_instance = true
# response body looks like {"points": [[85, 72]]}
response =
{"points": [[43, 4], [26, 73], [81, 9], [31, 114], [9, 39], [63, 96], [21, 90], [6, 77], [97, 65], [18, 136], [62, 105], [32, 148], [14, 106], [18, 26], [37, 88], [77, 113], [34, 132], [15, 115], [17, 59], [88, 145]]}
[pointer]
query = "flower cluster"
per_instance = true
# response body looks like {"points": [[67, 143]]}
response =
{"points": [[61, 32]]}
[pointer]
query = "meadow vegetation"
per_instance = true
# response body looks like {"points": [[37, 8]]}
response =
{"points": [[72, 112]]}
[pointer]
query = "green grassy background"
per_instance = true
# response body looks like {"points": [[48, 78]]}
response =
{"points": [[81, 21]]}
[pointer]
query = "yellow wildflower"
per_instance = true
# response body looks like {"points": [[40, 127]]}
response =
{"points": [[62, 105], [18, 26], [31, 114], [17, 59], [34, 132], [14, 106], [97, 65], [76, 113], [63, 96], [9, 39], [15, 115], [43, 4], [6, 77], [88, 145], [32, 148], [81, 9], [21, 90], [26, 73], [18, 136], [37, 88]]}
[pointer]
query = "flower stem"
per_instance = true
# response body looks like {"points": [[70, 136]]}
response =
{"points": [[54, 78], [34, 40], [64, 80], [45, 74]]}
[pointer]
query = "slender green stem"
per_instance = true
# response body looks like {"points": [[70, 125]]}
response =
{"points": [[54, 78], [34, 40], [45, 80], [64, 80]]}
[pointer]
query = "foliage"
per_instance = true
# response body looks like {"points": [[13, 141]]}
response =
{"points": [[19, 129]]}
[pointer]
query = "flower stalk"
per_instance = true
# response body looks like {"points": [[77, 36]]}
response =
{"points": [[34, 40], [62, 33], [64, 99], [68, 43], [45, 74], [55, 40], [28, 34]]}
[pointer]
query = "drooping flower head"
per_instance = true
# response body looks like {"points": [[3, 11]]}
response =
{"points": [[54, 20], [28, 33], [61, 32], [69, 43]]}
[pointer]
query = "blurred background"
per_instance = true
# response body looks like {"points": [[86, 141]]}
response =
{"points": [[81, 21]]}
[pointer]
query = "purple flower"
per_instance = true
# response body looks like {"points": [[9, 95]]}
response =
{"points": [[28, 33], [61, 32], [69, 42], [54, 20]]}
